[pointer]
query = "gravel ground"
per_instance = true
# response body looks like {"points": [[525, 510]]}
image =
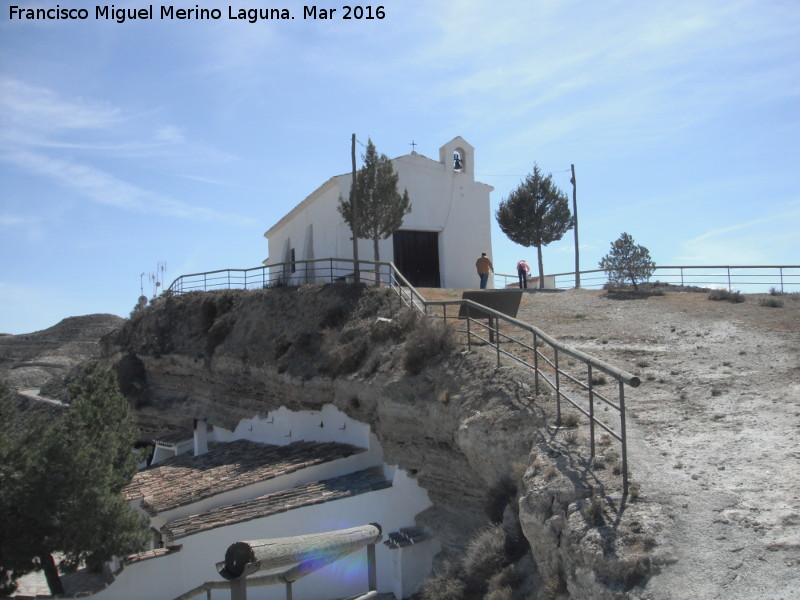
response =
{"points": [[713, 429]]}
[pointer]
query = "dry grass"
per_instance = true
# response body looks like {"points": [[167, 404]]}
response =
{"points": [[429, 340]]}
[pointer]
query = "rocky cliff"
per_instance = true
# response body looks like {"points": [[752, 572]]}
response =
{"points": [[31, 360], [474, 436]]}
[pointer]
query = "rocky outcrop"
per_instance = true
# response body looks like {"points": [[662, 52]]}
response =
{"points": [[464, 429], [35, 360]]}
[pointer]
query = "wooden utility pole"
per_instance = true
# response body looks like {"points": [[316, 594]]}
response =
{"points": [[575, 215], [354, 209]]}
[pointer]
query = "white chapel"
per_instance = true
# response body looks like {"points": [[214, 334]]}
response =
{"points": [[448, 228]]}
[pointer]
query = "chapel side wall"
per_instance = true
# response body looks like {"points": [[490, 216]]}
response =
{"points": [[331, 235]]}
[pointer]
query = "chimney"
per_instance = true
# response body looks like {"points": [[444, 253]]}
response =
{"points": [[200, 436]]}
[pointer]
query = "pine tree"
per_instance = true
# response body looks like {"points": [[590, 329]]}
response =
{"points": [[627, 262], [535, 214], [380, 208], [65, 481]]}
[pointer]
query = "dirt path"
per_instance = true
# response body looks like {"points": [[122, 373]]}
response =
{"points": [[713, 429]]}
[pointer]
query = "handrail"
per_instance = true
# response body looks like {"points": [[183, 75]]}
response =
{"points": [[387, 274], [615, 372], [688, 275]]}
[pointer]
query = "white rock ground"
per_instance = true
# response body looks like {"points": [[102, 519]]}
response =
{"points": [[713, 429]]}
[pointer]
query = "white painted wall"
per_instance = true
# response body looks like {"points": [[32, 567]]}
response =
{"points": [[443, 200], [399, 571]]}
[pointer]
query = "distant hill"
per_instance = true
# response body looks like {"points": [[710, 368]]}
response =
{"points": [[31, 360]]}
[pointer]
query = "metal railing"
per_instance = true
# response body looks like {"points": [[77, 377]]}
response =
{"points": [[516, 342], [747, 279], [528, 346], [320, 270]]}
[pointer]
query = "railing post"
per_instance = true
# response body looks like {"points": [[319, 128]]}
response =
{"points": [[239, 588], [780, 271], [331, 265], [288, 590], [624, 437], [469, 333], [558, 390], [497, 337], [591, 412], [372, 569], [535, 365], [728, 269]]}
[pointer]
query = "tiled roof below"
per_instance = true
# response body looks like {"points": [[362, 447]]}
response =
{"points": [[182, 480], [148, 554], [317, 492]]}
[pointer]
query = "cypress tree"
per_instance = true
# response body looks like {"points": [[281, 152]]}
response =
{"points": [[380, 207]]}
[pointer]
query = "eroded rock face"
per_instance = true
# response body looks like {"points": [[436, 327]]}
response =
{"points": [[463, 428], [458, 426], [35, 360], [586, 541]]}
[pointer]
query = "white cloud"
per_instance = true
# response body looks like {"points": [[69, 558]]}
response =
{"points": [[760, 241], [641, 73], [107, 189], [41, 109]]}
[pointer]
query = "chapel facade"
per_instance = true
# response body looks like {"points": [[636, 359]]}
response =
{"points": [[448, 227]]}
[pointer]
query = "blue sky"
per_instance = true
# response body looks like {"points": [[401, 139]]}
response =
{"points": [[123, 146]]}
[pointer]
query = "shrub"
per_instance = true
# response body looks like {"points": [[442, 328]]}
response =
{"points": [[428, 341], [571, 438], [634, 490], [593, 510], [444, 585], [570, 420], [485, 555], [554, 586], [218, 332], [342, 352], [732, 297], [771, 302], [499, 496], [627, 262]]}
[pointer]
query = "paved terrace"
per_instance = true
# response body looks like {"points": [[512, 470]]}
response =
{"points": [[186, 479], [318, 492]]}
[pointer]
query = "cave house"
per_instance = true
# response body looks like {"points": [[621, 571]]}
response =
{"points": [[278, 476]]}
